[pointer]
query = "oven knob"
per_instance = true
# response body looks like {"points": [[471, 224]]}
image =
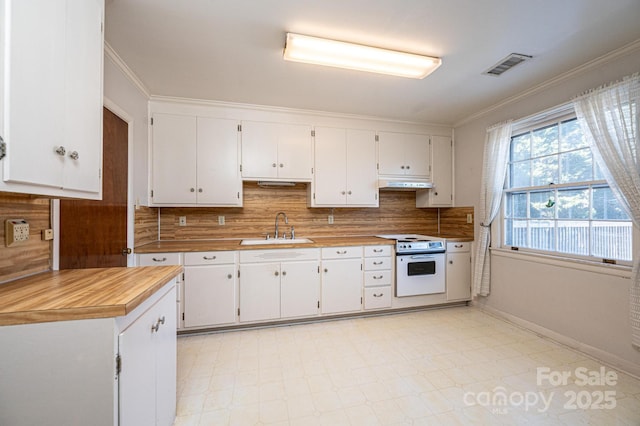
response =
{"points": [[409, 245]]}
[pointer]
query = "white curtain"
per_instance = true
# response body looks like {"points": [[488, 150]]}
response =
{"points": [[609, 117], [494, 171]]}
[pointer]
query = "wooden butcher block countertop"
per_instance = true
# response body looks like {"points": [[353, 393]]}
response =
{"points": [[219, 245], [75, 294]]}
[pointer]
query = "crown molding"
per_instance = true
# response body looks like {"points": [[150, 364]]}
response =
{"points": [[608, 57], [128, 72]]}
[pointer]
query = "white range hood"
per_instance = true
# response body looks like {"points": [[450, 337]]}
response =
{"points": [[404, 184]]}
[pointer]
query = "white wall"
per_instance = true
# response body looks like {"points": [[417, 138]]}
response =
{"points": [[585, 309]]}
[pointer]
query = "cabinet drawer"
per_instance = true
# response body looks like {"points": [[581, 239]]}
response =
{"points": [[371, 251], [458, 246], [341, 252], [377, 297], [158, 259], [209, 258], [377, 263], [377, 278]]}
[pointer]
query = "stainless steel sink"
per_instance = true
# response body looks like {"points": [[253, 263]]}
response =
{"points": [[264, 242]]}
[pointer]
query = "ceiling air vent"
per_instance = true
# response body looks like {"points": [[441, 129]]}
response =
{"points": [[506, 64]]}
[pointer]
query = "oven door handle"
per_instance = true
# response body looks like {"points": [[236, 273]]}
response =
{"points": [[423, 256]]}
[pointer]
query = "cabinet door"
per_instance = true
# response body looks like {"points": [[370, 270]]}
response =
{"points": [[217, 164], [295, 152], [83, 95], [416, 154], [259, 150], [209, 295], [391, 153], [330, 167], [259, 291], [147, 382], [362, 176], [300, 289], [442, 192], [341, 285], [53, 95], [458, 276], [173, 158]]}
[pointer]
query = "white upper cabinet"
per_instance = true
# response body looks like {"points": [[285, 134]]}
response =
{"points": [[276, 151], [441, 195], [195, 161], [345, 168], [403, 154], [51, 97]]}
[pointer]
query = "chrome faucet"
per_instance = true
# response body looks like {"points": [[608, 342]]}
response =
{"points": [[286, 220]]}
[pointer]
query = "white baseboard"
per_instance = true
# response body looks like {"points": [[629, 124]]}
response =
{"points": [[597, 354]]}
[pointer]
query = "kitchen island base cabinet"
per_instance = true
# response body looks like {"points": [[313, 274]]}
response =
{"points": [[66, 372], [147, 347]]}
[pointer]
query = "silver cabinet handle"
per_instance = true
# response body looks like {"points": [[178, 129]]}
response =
{"points": [[274, 165], [341, 252], [74, 155], [379, 277], [378, 263], [284, 273], [458, 245], [281, 165], [161, 320], [451, 262], [402, 167], [209, 258], [164, 259], [378, 250], [408, 167], [155, 327], [276, 273], [192, 190], [229, 276], [326, 270], [348, 192], [343, 192], [60, 150], [199, 189], [378, 295]]}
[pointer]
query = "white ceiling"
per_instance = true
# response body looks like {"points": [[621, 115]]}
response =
{"points": [[231, 50]]}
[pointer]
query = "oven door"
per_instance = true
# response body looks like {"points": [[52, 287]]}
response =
{"points": [[419, 274]]}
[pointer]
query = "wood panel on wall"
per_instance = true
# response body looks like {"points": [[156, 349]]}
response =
{"points": [[145, 225], [34, 255], [453, 222], [397, 214]]}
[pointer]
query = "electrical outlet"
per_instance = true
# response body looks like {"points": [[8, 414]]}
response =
{"points": [[220, 220], [15, 231], [469, 218], [330, 219], [182, 221], [47, 234]]}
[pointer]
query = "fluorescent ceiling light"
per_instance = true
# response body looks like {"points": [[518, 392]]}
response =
{"points": [[320, 51]]}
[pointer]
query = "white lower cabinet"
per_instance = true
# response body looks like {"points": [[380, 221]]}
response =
{"points": [[278, 284], [341, 279], [378, 277], [458, 271], [147, 383], [66, 372], [210, 281]]}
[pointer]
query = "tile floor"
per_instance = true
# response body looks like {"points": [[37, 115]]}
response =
{"points": [[455, 366]]}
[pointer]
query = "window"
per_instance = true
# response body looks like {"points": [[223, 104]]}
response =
{"points": [[556, 199]]}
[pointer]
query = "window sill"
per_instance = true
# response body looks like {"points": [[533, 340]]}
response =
{"points": [[623, 271]]}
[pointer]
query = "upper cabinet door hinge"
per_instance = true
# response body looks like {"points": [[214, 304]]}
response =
{"points": [[241, 167], [313, 133], [152, 193], [3, 148], [377, 138], [239, 127], [118, 364], [151, 120]]}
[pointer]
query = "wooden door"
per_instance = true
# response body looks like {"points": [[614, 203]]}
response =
{"points": [[94, 233]]}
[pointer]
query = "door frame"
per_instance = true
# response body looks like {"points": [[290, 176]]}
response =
{"points": [[55, 205]]}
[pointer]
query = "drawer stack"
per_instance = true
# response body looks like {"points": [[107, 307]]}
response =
{"points": [[378, 277]]}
